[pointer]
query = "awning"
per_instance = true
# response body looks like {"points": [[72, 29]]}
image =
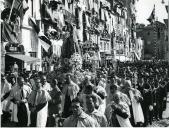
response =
{"points": [[24, 58]]}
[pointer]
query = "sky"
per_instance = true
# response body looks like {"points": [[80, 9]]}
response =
{"points": [[145, 7]]}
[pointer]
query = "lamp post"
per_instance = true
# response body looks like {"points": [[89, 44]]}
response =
{"points": [[168, 30]]}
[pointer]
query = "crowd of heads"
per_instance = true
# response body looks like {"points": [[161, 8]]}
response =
{"points": [[122, 78]]}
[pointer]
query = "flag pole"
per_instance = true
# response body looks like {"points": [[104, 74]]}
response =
{"points": [[168, 34], [11, 11], [155, 36]]}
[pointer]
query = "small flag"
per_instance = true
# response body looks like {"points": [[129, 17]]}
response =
{"points": [[42, 36], [32, 22], [152, 16], [45, 42], [166, 8], [44, 45], [166, 22]]}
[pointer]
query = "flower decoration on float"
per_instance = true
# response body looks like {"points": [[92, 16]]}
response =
{"points": [[76, 61], [86, 56]]}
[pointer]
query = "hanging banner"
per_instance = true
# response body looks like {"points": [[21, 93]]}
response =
{"points": [[70, 18]]}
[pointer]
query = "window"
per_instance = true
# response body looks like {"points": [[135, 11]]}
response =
{"points": [[104, 46], [32, 54], [119, 20], [101, 46], [158, 33], [108, 46]]}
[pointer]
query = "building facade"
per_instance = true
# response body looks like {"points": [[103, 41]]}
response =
{"points": [[166, 45], [154, 41], [125, 30], [48, 28]]}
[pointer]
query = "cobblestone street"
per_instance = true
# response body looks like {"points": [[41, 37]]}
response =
{"points": [[161, 123]]}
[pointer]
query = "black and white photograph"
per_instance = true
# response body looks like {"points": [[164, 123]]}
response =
{"points": [[84, 63]]}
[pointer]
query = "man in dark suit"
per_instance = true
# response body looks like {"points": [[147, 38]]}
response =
{"points": [[162, 95], [148, 101], [156, 103]]}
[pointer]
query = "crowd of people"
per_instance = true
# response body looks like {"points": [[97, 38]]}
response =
{"points": [[128, 95]]}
